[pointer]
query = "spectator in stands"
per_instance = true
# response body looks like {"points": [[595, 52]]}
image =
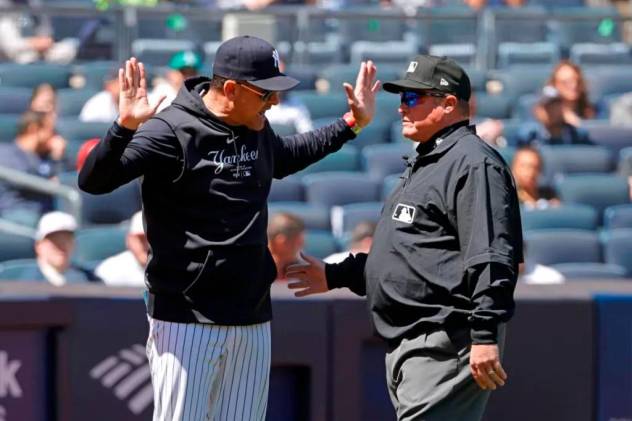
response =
{"points": [[18, 46], [103, 107], [361, 240], [567, 79], [44, 98], [621, 111], [527, 168], [536, 273], [37, 150], [286, 238], [128, 268], [182, 65], [54, 245], [84, 150], [552, 127], [290, 112]]}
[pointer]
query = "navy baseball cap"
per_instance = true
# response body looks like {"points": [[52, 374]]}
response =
{"points": [[254, 60], [439, 74]]}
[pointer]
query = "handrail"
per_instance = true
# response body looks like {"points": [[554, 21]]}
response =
{"points": [[43, 185]]}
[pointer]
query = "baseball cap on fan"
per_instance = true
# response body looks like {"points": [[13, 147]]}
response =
{"points": [[431, 73], [253, 60]]}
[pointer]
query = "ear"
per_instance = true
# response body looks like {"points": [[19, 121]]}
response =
{"points": [[450, 104], [230, 87]]}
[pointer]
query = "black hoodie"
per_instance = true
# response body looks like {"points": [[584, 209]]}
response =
{"points": [[205, 186]]}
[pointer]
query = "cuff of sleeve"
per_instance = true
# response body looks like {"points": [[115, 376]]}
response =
{"points": [[348, 132], [120, 131], [332, 273], [484, 335]]}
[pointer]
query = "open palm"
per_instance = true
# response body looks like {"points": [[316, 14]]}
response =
{"points": [[134, 109], [361, 99]]}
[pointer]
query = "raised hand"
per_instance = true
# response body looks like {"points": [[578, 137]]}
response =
{"points": [[309, 277], [361, 99], [134, 109]]}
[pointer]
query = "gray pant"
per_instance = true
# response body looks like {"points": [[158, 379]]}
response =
{"points": [[429, 378]]}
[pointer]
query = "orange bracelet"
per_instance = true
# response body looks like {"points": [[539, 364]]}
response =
{"points": [[351, 122]]}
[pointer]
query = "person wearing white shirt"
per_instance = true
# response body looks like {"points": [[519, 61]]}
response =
{"points": [[127, 268], [182, 65], [103, 107], [361, 240]]}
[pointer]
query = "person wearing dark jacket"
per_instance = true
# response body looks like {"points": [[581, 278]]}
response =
{"points": [[207, 163], [440, 274]]}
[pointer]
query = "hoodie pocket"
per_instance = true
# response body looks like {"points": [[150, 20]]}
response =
{"points": [[197, 285]]}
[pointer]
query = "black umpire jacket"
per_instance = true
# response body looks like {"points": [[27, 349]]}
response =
{"points": [[448, 244]]}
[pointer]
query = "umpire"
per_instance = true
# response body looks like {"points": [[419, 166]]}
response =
{"points": [[442, 269]]}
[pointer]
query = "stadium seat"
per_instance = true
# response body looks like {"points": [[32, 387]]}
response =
{"points": [[8, 127], [14, 246], [614, 138], [576, 25], [378, 161], [507, 153], [97, 243], [618, 248], [607, 80], [519, 80], [588, 54], [92, 74], [575, 159], [478, 78], [536, 53], [14, 100], [331, 105], [345, 218], [320, 243], [386, 106], [111, 208], [288, 189], [314, 217], [383, 52], [339, 188], [15, 270], [590, 271], [563, 217], [511, 129], [449, 30], [523, 108], [388, 185], [493, 106], [548, 247], [305, 74], [619, 216], [74, 129], [159, 51], [31, 75], [598, 191], [345, 159], [337, 74], [376, 133], [71, 101]]}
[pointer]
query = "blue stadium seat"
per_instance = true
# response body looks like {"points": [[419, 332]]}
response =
{"points": [[71, 101], [31, 75], [608, 80], [14, 270], [159, 51], [345, 218], [615, 217], [288, 189], [73, 129], [14, 100], [331, 105], [576, 25], [14, 246], [614, 138], [383, 52], [388, 185], [378, 161], [618, 248], [386, 106], [493, 106], [8, 127], [451, 31], [345, 159], [320, 243], [590, 271], [598, 191], [589, 54], [536, 53], [111, 208], [314, 216], [523, 108], [519, 80], [97, 243], [511, 130], [563, 217], [94, 73], [306, 74], [339, 188], [507, 153], [376, 133], [576, 159], [548, 247], [478, 78]]}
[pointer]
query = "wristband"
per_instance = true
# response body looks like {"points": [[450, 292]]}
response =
{"points": [[351, 123]]}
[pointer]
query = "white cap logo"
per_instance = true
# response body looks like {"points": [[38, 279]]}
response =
{"points": [[275, 56], [412, 66], [443, 82]]}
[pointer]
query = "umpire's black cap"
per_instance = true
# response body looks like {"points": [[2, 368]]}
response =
{"points": [[439, 74], [253, 60]]}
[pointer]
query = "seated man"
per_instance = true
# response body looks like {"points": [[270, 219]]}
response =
{"points": [[128, 268], [286, 237], [54, 245], [361, 240]]}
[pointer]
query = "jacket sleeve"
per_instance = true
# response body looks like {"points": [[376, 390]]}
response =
{"points": [[490, 236], [124, 155], [293, 153], [348, 273]]}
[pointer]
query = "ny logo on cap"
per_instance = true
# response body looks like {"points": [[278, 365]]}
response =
{"points": [[275, 56], [443, 82], [412, 66]]}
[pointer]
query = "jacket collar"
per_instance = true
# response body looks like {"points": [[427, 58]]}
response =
{"points": [[444, 140]]}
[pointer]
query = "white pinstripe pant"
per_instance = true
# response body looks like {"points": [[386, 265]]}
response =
{"points": [[209, 372]]}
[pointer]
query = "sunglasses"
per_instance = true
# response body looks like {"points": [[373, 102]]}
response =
{"points": [[411, 99], [265, 95]]}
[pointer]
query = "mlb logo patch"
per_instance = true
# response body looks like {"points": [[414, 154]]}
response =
{"points": [[404, 213]]}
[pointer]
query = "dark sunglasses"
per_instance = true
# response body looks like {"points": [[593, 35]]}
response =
{"points": [[265, 95], [411, 99]]}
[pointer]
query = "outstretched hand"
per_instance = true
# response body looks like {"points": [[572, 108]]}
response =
{"points": [[134, 109], [309, 277], [361, 99]]}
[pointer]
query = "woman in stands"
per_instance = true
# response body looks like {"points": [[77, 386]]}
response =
{"points": [[44, 98], [568, 80]]}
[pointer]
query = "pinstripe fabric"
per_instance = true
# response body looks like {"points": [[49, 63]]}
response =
{"points": [[209, 372]]}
